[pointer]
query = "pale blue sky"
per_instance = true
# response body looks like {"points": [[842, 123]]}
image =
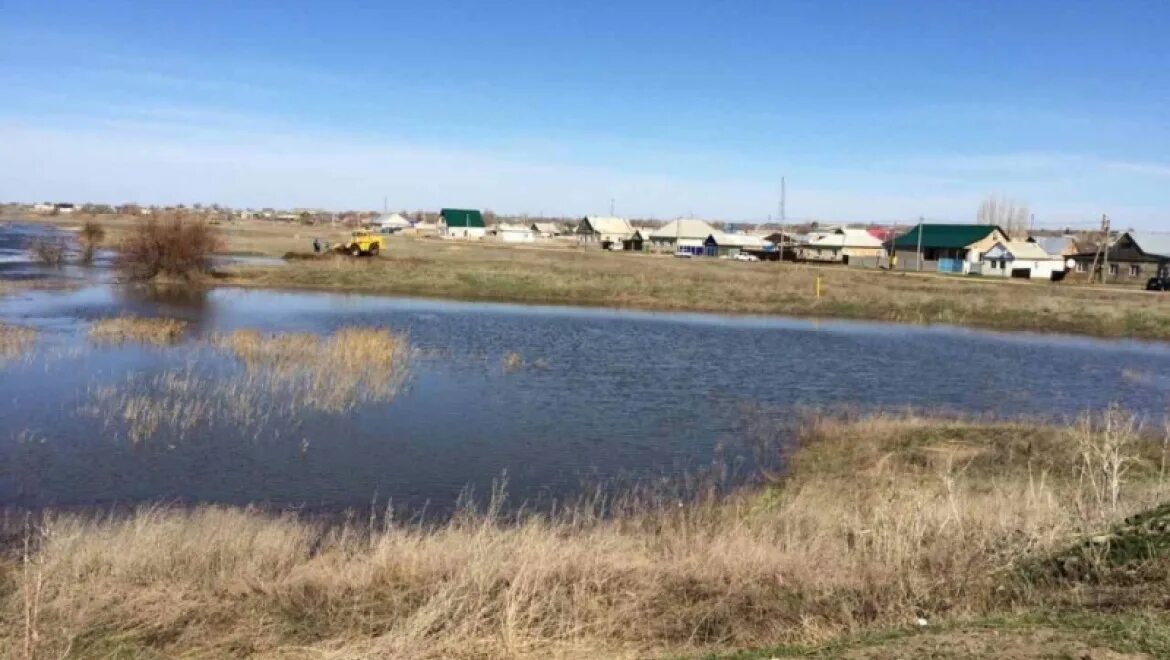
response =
{"points": [[872, 110]]}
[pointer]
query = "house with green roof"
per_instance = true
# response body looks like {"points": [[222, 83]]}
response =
{"points": [[461, 223], [943, 247]]}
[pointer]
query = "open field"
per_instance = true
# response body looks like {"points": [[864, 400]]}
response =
{"points": [[573, 276], [995, 534]]}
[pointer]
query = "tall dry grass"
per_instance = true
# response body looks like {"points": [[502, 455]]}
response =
{"points": [[145, 330], [176, 247], [15, 341], [882, 520], [279, 377]]}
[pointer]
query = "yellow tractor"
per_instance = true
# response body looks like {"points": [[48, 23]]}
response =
{"points": [[362, 243]]}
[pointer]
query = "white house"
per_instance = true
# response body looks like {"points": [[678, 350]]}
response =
{"points": [[510, 233], [840, 245], [1020, 259], [389, 224]]}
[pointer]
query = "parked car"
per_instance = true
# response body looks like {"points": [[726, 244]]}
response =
{"points": [[683, 254], [744, 256], [1161, 283]]}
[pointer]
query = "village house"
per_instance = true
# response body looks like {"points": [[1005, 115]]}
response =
{"points": [[392, 224], [945, 248], [545, 229], [682, 235], [510, 233], [1022, 259], [1133, 256], [728, 244], [461, 223], [842, 245], [608, 232]]}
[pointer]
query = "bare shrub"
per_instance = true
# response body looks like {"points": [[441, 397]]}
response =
{"points": [[175, 247], [89, 239], [48, 251]]}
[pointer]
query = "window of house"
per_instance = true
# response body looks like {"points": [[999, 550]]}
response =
{"points": [[1114, 269], [1082, 267], [1135, 270]]}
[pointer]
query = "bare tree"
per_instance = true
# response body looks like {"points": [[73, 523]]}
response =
{"points": [[1009, 214]]}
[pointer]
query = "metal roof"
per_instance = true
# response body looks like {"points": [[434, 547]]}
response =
{"points": [[845, 237], [1019, 250], [609, 225], [1057, 245], [1154, 245], [462, 217], [684, 228], [944, 236]]}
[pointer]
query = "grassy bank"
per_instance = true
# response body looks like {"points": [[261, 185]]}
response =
{"points": [[567, 275], [882, 521], [575, 277]]}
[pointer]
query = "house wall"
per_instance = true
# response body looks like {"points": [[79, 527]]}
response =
{"points": [[473, 233], [517, 237], [864, 252], [1038, 269], [827, 254]]}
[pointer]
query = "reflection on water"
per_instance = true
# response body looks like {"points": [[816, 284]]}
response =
{"points": [[589, 394]]}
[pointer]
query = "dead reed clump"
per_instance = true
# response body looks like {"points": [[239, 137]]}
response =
{"points": [[174, 248], [15, 341], [90, 238], [513, 362], [123, 329], [333, 373], [883, 519]]}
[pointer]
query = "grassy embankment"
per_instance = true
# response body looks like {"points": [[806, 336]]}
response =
{"points": [[569, 276], [977, 528]]}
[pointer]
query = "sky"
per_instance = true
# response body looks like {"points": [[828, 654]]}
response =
{"points": [[882, 111]]}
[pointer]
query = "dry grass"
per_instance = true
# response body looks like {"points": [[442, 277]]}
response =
{"points": [[883, 519], [122, 329], [15, 341], [334, 373], [576, 277], [281, 376], [561, 275]]}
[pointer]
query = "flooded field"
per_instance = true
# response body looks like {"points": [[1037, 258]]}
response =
{"points": [[319, 400]]}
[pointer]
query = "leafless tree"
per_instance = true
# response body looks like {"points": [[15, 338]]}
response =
{"points": [[1009, 214]]}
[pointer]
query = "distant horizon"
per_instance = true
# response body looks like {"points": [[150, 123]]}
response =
{"points": [[879, 113]]}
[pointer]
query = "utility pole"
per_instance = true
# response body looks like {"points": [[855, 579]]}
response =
{"points": [[1102, 253], [611, 207], [921, 229], [783, 215]]}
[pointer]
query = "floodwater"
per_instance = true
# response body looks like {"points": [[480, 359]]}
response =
{"points": [[598, 395]]}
